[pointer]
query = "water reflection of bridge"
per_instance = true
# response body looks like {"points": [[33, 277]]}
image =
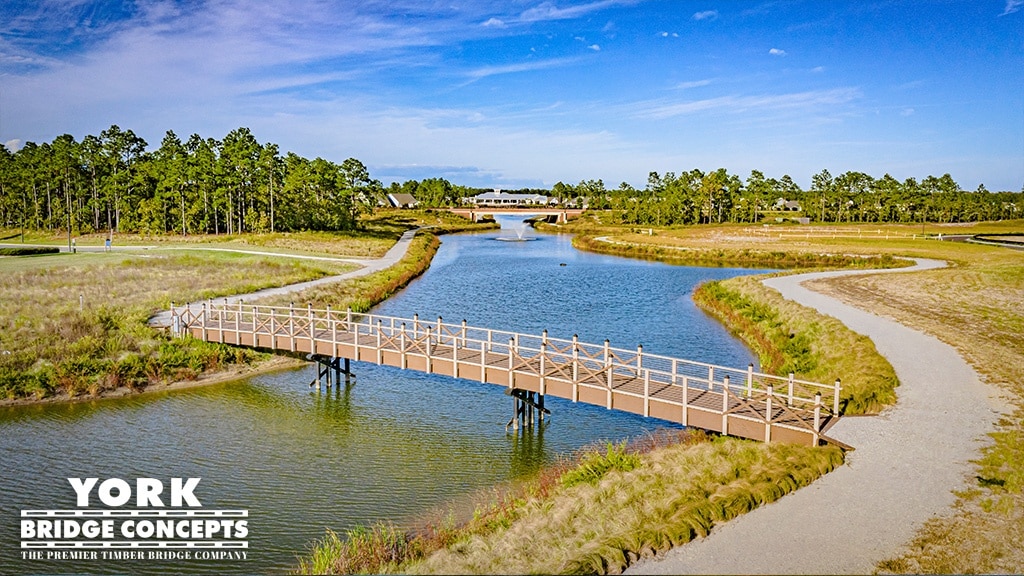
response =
{"points": [[731, 401]]}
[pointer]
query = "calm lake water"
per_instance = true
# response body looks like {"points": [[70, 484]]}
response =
{"points": [[394, 446]]}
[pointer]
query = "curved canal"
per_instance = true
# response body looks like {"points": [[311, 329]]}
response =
{"points": [[395, 445]]}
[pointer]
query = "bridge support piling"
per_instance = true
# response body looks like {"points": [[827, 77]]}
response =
{"points": [[330, 369]]}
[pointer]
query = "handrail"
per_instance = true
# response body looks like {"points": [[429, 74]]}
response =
{"points": [[586, 359]]}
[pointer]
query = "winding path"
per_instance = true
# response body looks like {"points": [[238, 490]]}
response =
{"points": [[369, 266], [907, 462]]}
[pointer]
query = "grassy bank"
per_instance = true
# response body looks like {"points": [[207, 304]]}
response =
{"points": [[790, 338], [363, 293], [738, 257], [596, 514], [74, 325], [976, 305]]}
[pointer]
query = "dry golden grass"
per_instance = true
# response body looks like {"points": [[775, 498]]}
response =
{"points": [[977, 306], [677, 494]]}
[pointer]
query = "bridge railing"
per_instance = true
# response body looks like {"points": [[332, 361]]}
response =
{"points": [[585, 360]]}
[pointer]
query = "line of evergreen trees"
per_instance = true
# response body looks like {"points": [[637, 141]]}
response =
{"points": [[234, 185], [701, 197]]}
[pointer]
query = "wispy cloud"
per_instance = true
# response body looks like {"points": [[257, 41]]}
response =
{"points": [[693, 84], [549, 11], [494, 23], [777, 52], [706, 15], [486, 71], [740, 104], [672, 34], [1012, 6]]}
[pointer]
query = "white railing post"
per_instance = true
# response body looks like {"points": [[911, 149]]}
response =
{"points": [[647, 393], [575, 369], [750, 380], [273, 329], [348, 319], [291, 324], [575, 365], [817, 417], [639, 358], [725, 405], [511, 374], [312, 345], [711, 378], [463, 334], [401, 345], [255, 338], [543, 356], [835, 398], [610, 370], [334, 329], [768, 414], [415, 326], [790, 399], [440, 333], [686, 399], [490, 344], [483, 358], [380, 352]]}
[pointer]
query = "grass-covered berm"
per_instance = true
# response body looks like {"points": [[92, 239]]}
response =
{"points": [[74, 325], [976, 305], [594, 513]]}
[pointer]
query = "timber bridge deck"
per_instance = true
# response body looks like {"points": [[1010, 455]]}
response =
{"points": [[731, 401]]}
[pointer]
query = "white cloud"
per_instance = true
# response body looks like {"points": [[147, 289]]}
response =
{"points": [[494, 23], [1012, 6], [907, 112], [818, 69], [740, 104], [548, 10], [672, 34], [777, 52], [13, 145], [706, 15], [693, 84], [521, 67], [594, 47]]}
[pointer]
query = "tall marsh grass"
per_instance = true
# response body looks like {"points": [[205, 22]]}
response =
{"points": [[788, 337]]}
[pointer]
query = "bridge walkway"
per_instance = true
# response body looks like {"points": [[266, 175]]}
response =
{"points": [[720, 399]]}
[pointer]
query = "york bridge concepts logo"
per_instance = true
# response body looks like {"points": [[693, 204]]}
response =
{"points": [[138, 522]]}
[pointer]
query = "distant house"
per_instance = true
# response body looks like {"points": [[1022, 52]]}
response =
{"points": [[499, 198], [787, 205], [402, 200]]}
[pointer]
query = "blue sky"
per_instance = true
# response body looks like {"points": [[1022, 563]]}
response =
{"points": [[528, 93]]}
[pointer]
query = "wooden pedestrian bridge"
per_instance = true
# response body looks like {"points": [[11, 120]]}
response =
{"points": [[720, 399]]}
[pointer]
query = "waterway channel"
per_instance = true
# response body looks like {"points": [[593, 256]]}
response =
{"points": [[395, 445]]}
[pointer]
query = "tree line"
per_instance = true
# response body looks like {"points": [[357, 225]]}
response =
{"points": [[717, 196], [714, 197], [201, 185], [235, 185]]}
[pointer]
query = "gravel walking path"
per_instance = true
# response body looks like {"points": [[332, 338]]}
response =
{"points": [[393, 255], [906, 463]]}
